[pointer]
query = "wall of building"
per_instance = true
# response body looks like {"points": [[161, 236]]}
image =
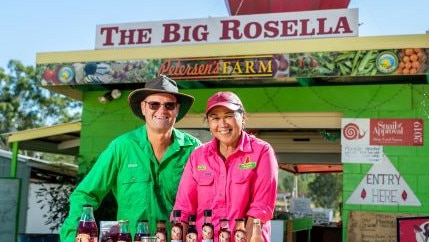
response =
{"points": [[102, 122]]}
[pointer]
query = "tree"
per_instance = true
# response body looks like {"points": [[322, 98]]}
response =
{"points": [[25, 105], [56, 199], [325, 190]]}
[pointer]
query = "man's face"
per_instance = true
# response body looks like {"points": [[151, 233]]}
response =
{"points": [[160, 111]]}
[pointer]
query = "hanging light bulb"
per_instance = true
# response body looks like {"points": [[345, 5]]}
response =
{"points": [[116, 93], [109, 96]]}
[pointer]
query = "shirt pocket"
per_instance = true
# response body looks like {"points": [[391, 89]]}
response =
{"points": [[206, 189], [135, 183], [243, 176], [241, 185]]}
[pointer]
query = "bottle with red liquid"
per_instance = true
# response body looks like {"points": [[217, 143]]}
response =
{"points": [[224, 232], [176, 228], [240, 230], [142, 231], [208, 229], [87, 230], [124, 234], [161, 231]]}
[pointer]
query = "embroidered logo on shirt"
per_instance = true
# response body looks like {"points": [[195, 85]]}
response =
{"points": [[202, 167], [247, 164], [132, 165]]}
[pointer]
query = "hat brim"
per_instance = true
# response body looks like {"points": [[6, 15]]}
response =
{"points": [[231, 106], [137, 96]]}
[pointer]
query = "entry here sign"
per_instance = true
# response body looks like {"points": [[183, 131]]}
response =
{"points": [[383, 185]]}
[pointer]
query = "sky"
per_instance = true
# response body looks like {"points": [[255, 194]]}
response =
{"points": [[28, 27]]}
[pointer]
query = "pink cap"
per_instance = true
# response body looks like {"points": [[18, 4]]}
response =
{"points": [[226, 99]]}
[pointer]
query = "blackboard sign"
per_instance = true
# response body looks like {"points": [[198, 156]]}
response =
{"points": [[9, 204]]}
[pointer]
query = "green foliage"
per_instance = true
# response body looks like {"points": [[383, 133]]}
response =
{"points": [[325, 190], [55, 198], [286, 180], [24, 105]]}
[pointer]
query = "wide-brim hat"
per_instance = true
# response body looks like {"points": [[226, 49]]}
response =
{"points": [[161, 84]]}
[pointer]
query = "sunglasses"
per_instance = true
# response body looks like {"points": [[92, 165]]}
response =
{"points": [[156, 105]]}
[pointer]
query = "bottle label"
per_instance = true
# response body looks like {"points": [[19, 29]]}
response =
{"points": [[224, 237], [176, 234], [191, 237], [160, 237], [240, 236], [147, 239], [207, 234], [85, 238]]}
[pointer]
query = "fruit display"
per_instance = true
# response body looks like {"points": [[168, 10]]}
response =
{"points": [[280, 64], [407, 61], [413, 61], [360, 63], [98, 72]]}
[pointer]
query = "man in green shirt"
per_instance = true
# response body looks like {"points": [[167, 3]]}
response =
{"points": [[143, 167]]}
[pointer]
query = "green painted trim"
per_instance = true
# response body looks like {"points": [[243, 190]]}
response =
{"points": [[14, 160]]}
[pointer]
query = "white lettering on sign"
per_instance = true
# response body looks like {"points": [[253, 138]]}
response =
{"points": [[258, 27], [418, 132], [389, 128]]}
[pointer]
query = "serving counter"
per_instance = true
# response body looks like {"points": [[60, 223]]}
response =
{"points": [[303, 230]]}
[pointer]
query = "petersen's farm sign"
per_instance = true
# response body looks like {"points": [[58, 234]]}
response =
{"points": [[258, 27]]}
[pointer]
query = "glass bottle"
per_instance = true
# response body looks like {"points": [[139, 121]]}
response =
{"points": [[240, 230], [224, 232], [257, 231], [192, 233], [142, 230], [208, 229], [161, 231], [176, 228], [87, 229], [124, 234]]}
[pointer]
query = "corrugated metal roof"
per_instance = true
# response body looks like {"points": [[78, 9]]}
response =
{"points": [[58, 139]]}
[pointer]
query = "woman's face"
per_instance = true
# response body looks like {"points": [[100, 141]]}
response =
{"points": [[226, 125]]}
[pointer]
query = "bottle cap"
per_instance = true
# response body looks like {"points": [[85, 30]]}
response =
{"points": [[177, 213], [208, 212], [192, 217]]}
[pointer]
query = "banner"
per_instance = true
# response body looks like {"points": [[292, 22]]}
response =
{"points": [[258, 27]]}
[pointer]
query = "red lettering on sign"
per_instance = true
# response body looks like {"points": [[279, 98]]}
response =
{"points": [[126, 36], [233, 29], [174, 32]]}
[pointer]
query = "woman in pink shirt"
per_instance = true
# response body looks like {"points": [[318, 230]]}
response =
{"points": [[235, 174]]}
